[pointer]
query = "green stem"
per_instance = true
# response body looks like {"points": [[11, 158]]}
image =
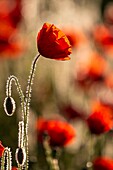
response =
{"points": [[21, 95], [52, 162], [30, 82], [2, 161], [27, 104], [91, 151], [6, 158]]}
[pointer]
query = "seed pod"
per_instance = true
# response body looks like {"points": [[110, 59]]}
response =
{"points": [[20, 156], [9, 106]]}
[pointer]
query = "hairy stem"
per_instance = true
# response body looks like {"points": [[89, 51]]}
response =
{"points": [[27, 102], [21, 95], [52, 162], [6, 159]]}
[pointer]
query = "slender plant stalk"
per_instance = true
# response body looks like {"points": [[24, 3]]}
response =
{"points": [[21, 95], [25, 103], [6, 159], [52, 162], [91, 152]]}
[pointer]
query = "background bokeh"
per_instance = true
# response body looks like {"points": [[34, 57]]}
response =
{"points": [[59, 86]]}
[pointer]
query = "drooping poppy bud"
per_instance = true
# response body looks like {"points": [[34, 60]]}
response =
{"points": [[9, 106], [53, 43], [20, 156]]}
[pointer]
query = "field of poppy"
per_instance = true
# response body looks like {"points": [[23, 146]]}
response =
{"points": [[56, 85]]}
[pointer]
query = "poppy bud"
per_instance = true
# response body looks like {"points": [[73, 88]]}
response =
{"points": [[20, 156], [9, 106]]}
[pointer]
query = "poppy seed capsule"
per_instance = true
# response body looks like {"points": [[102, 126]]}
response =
{"points": [[9, 106], [20, 156]]}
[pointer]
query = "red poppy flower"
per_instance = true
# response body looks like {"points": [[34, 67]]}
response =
{"points": [[53, 43], [61, 133], [103, 163], [11, 11], [70, 112], [14, 168], [102, 36], [91, 70], [76, 37], [109, 80], [11, 43], [15, 14], [1, 149], [96, 65], [101, 119]]}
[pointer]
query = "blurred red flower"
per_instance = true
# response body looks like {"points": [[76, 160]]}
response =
{"points": [[11, 10], [102, 36], [70, 112], [1, 149], [109, 80], [76, 37], [101, 119], [96, 65], [16, 13], [14, 168], [90, 70], [53, 43], [61, 133], [103, 163], [10, 41], [6, 31]]}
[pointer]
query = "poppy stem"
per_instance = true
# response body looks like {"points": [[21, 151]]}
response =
{"points": [[91, 151], [9, 85], [52, 162], [27, 104], [21, 95], [30, 82], [6, 158]]}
